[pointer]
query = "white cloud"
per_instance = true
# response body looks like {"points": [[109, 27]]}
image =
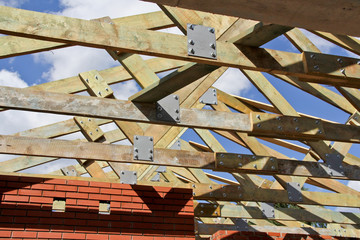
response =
{"points": [[11, 79], [12, 3], [233, 82], [71, 61], [356, 186]]}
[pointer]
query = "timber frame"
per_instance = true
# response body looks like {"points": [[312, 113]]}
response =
{"points": [[220, 202]]}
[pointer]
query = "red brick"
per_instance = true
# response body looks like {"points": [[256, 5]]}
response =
{"points": [[24, 234], [55, 221], [8, 191], [62, 228], [18, 185], [78, 183], [55, 181], [97, 236], [77, 195], [102, 197], [89, 189], [31, 179], [275, 234], [66, 188], [141, 225], [100, 184], [38, 227], [5, 234], [41, 200], [73, 236], [86, 229], [2, 183], [41, 186], [87, 215], [164, 226], [63, 214], [70, 201], [120, 198], [87, 202], [115, 204], [75, 222], [156, 220], [12, 212], [166, 238], [51, 235], [29, 192], [55, 194], [129, 193], [110, 191], [142, 238], [12, 198], [26, 220], [121, 186], [120, 237], [9, 178], [131, 205], [39, 213], [6, 219]]}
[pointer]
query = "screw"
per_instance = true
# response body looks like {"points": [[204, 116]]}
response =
{"points": [[297, 129], [211, 30], [279, 127], [191, 27], [295, 119], [211, 194], [202, 101], [316, 67], [258, 116], [342, 71], [159, 115], [81, 122], [239, 187], [191, 50], [222, 155], [136, 137], [312, 56], [272, 159], [89, 119], [272, 167], [258, 125], [339, 60], [135, 173], [136, 156], [240, 164], [191, 42], [255, 166], [278, 118], [97, 129], [122, 173], [319, 131], [201, 212], [253, 157], [90, 133], [213, 54], [176, 97], [150, 150], [216, 212], [194, 194], [214, 90], [193, 185], [99, 93], [96, 77], [214, 102], [176, 110], [107, 89], [87, 80], [210, 187], [224, 194], [221, 163], [212, 46], [239, 156]]}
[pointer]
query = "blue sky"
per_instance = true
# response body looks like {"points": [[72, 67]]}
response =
{"points": [[57, 64]]}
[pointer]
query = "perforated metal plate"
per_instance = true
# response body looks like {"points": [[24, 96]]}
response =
{"points": [[176, 145], [69, 171], [333, 165], [161, 169], [201, 41], [143, 148], [294, 192], [209, 97], [168, 109], [156, 178], [268, 209], [128, 177]]}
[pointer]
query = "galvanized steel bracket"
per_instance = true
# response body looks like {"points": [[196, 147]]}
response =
{"points": [[161, 169], [156, 178], [294, 192], [70, 171], [209, 97], [143, 148], [168, 109], [268, 209], [128, 177], [333, 165], [176, 145], [201, 41]]}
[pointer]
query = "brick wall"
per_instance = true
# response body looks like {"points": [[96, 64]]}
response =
{"points": [[137, 212], [236, 235]]}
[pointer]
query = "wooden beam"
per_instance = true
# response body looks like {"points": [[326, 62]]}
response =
{"points": [[118, 153], [96, 34], [337, 17]]}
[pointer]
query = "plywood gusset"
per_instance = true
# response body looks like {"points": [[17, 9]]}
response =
{"points": [[246, 122]]}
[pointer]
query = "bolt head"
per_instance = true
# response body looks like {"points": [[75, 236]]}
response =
{"points": [[191, 42], [221, 163], [213, 54], [212, 30], [272, 167], [176, 97], [342, 71], [316, 67], [191, 50], [258, 125]]}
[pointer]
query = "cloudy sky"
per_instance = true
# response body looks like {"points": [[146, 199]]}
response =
{"points": [[53, 65]]}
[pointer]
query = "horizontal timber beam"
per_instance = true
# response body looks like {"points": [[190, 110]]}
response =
{"points": [[227, 162], [286, 214], [260, 124], [337, 17], [120, 38]]}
